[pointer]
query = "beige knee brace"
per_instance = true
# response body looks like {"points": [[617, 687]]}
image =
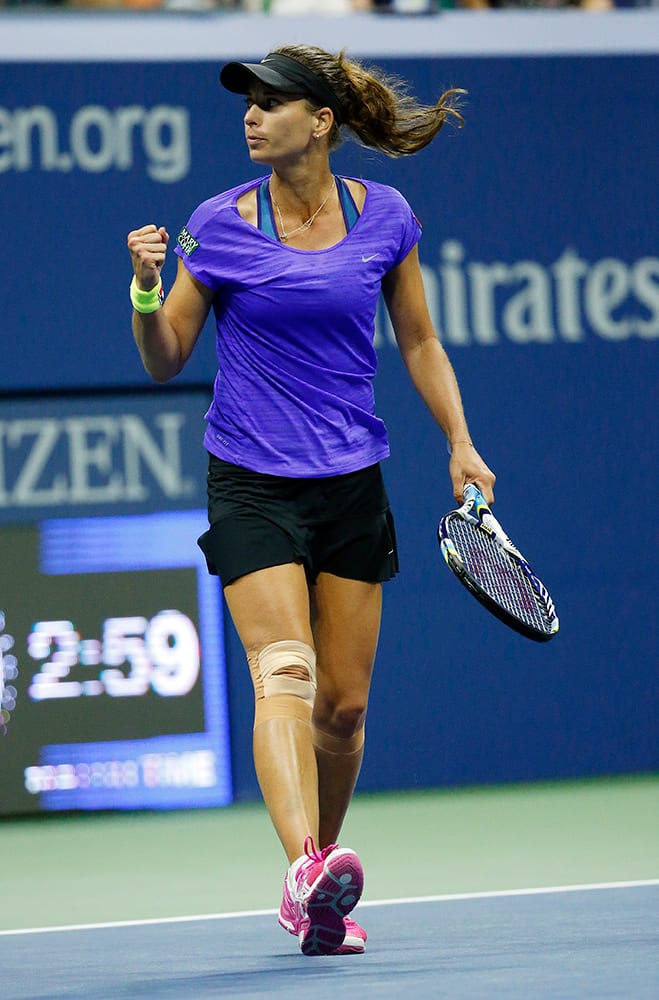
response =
{"points": [[284, 677]]}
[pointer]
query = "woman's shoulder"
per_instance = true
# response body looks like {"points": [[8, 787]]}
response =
{"points": [[377, 187], [212, 208], [384, 195], [384, 205]]}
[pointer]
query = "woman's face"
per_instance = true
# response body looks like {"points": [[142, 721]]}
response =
{"points": [[278, 127]]}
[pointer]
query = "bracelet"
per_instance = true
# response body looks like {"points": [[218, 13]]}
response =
{"points": [[449, 446], [146, 302]]}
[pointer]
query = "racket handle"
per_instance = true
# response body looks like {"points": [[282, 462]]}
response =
{"points": [[478, 509], [472, 492]]}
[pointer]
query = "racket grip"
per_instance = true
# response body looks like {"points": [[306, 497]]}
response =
{"points": [[472, 492]]}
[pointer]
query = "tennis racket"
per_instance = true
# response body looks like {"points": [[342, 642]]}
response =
{"points": [[478, 551]]}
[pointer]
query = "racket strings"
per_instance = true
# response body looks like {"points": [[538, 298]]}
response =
{"points": [[498, 574]]}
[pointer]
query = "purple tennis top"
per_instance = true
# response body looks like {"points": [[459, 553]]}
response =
{"points": [[294, 392]]}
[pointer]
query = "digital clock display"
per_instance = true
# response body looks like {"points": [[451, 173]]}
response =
{"points": [[161, 653], [118, 691]]}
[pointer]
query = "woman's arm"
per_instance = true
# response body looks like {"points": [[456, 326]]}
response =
{"points": [[432, 374], [166, 338]]}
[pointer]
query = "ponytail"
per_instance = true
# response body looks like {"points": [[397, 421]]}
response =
{"points": [[383, 115], [375, 106]]}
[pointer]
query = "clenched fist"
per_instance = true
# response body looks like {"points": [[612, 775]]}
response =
{"points": [[148, 247]]}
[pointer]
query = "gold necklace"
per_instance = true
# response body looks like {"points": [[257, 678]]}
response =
{"points": [[283, 235]]}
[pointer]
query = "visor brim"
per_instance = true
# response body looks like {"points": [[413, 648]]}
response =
{"points": [[240, 77]]}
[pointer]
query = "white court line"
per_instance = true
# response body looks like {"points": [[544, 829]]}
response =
{"points": [[450, 897]]}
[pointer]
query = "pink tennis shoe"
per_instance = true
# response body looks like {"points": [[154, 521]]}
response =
{"points": [[320, 890]]}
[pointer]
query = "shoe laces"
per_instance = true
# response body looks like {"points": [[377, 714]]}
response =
{"points": [[315, 857], [313, 853]]}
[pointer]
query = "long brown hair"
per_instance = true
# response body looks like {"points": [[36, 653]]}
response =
{"points": [[376, 106]]}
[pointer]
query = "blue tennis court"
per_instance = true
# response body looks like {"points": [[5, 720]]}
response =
{"points": [[580, 941]]}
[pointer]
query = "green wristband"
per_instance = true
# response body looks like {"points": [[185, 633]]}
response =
{"points": [[146, 302]]}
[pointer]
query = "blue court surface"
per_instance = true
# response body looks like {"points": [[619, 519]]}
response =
{"points": [[565, 942]]}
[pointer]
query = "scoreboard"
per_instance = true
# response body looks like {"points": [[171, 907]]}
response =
{"points": [[112, 667]]}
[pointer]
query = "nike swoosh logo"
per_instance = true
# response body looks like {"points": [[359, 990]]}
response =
{"points": [[365, 259]]}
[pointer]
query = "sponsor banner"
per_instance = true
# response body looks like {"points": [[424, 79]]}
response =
{"points": [[526, 302], [118, 454], [537, 221], [96, 139]]}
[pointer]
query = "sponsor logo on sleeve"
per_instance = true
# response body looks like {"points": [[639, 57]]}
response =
{"points": [[187, 242]]}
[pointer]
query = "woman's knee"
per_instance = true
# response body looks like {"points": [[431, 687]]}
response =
{"points": [[341, 717], [285, 668]]}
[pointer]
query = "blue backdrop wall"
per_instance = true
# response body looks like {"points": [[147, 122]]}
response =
{"points": [[542, 273]]}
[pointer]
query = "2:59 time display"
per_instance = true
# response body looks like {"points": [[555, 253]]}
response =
{"points": [[133, 655]]}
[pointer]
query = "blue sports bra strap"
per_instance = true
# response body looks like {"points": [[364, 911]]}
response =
{"points": [[264, 218], [348, 207]]}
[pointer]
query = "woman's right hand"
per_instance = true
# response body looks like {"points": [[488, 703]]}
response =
{"points": [[148, 247]]}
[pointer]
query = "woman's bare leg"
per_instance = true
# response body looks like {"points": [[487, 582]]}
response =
{"points": [[346, 624], [272, 606]]}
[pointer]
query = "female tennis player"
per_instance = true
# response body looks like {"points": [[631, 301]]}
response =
{"points": [[300, 530]]}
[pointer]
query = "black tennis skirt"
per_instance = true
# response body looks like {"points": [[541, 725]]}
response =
{"points": [[338, 524]]}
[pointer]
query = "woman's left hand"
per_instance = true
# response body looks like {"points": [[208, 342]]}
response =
{"points": [[466, 466]]}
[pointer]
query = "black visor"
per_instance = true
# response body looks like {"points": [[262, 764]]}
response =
{"points": [[280, 73]]}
